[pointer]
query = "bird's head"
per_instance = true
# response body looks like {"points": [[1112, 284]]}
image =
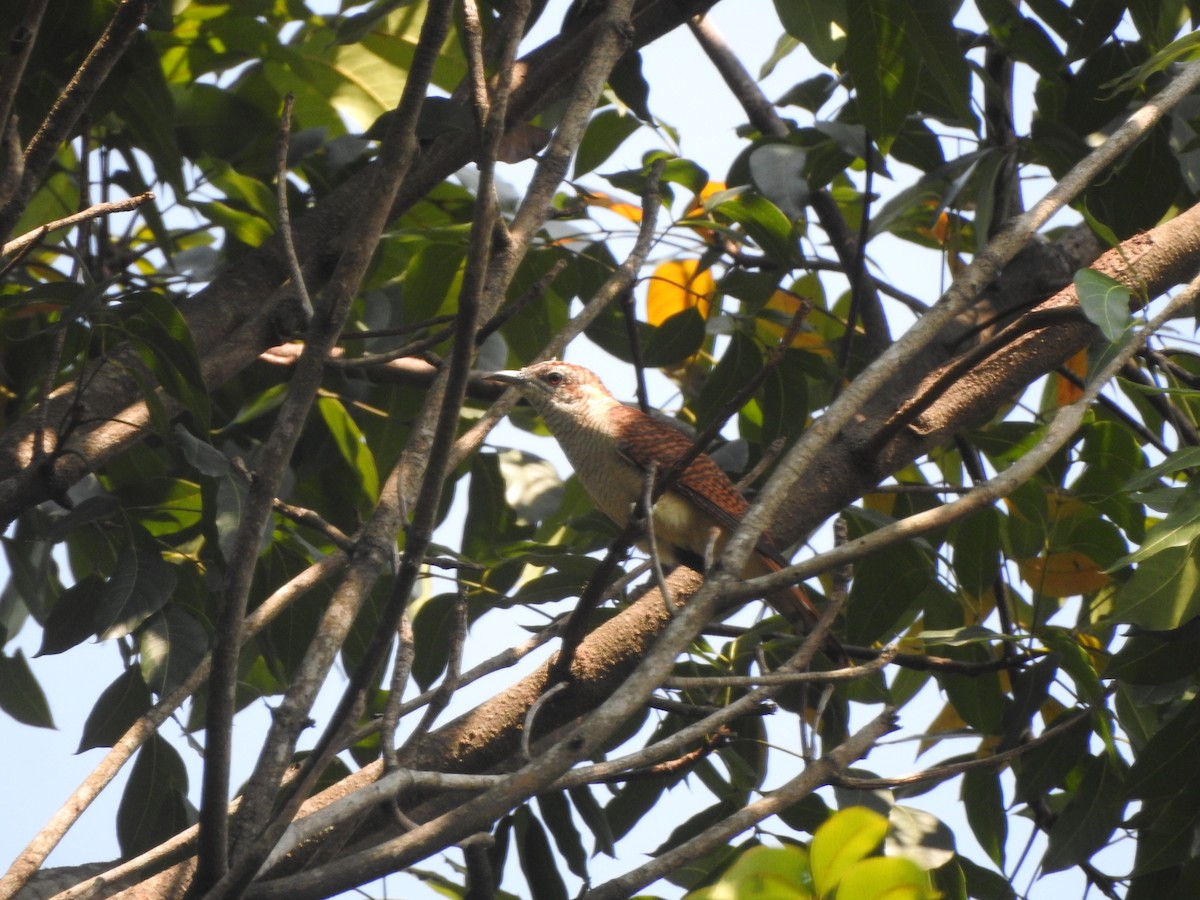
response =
{"points": [[558, 388]]}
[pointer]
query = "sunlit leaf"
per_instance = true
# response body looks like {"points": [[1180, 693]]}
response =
{"points": [[846, 838], [676, 285]]}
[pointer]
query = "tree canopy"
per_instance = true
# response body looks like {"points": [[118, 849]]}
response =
{"points": [[253, 259]]}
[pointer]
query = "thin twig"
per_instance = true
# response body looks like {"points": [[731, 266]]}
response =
{"points": [[71, 103], [401, 669], [285, 216], [100, 209]]}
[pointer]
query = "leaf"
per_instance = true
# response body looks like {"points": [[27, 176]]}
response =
{"points": [[884, 66], [154, 803], [1089, 818], [983, 798], [1164, 591], [1167, 762], [1180, 528], [884, 878], [1063, 573], [115, 710], [1105, 301], [607, 131], [762, 873], [819, 24], [778, 171], [847, 837], [678, 285], [201, 455], [764, 222], [537, 860], [72, 620], [919, 836], [556, 813], [140, 585], [20, 694], [352, 445], [170, 646], [976, 543]]}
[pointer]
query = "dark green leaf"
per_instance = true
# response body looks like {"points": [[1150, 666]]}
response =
{"points": [[1089, 818], [72, 620], [883, 62], [764, 222], [673, 341], [593, 816], [154, 805], [171, 644], [819, 24], [20, 694], [983, 798], [1166, 764], [537, 859], [140, 585], [605, 133], [556, 813], [117, 708]]}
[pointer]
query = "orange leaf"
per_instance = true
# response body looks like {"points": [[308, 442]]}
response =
{"points": [[605, 201], [772, 329], [1067, 392], [677, 285], [1064, 573]]}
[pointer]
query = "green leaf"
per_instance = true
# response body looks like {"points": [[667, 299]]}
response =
{"points": [[884, 65], [1178, 461], [1089, 818], [537, 860], [819, 24], [884, 878], [762, 873], [983, 798], [72, 620], [1105, 301], [848, 837], [976, 543], [674, 340], [1167, 763], [117, 708], [741, 362], [164, 342], [352, 445], [154, 803], [1164, 591], [170, 645], [556, 813], [607, 130], [919, 836], [764, 222], [1180, 528], [20, 694], [139, 586]]}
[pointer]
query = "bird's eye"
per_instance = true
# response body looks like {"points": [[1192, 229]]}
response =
{"points": [[554, 379]]}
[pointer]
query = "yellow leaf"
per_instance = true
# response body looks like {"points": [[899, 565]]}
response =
{"points": [[772, 327], [677, 285], [1064, 573], [606, 201], [948, 722]]}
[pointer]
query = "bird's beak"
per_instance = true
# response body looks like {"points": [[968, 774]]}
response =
{"points": [[508, 376]]}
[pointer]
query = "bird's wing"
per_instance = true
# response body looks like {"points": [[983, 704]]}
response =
{"points": [[705, 485]]}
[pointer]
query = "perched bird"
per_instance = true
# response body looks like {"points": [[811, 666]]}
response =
{"points": [[613, 447]]}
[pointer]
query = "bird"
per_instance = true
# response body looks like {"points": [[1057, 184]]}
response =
{"points": [[614, 448]]}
